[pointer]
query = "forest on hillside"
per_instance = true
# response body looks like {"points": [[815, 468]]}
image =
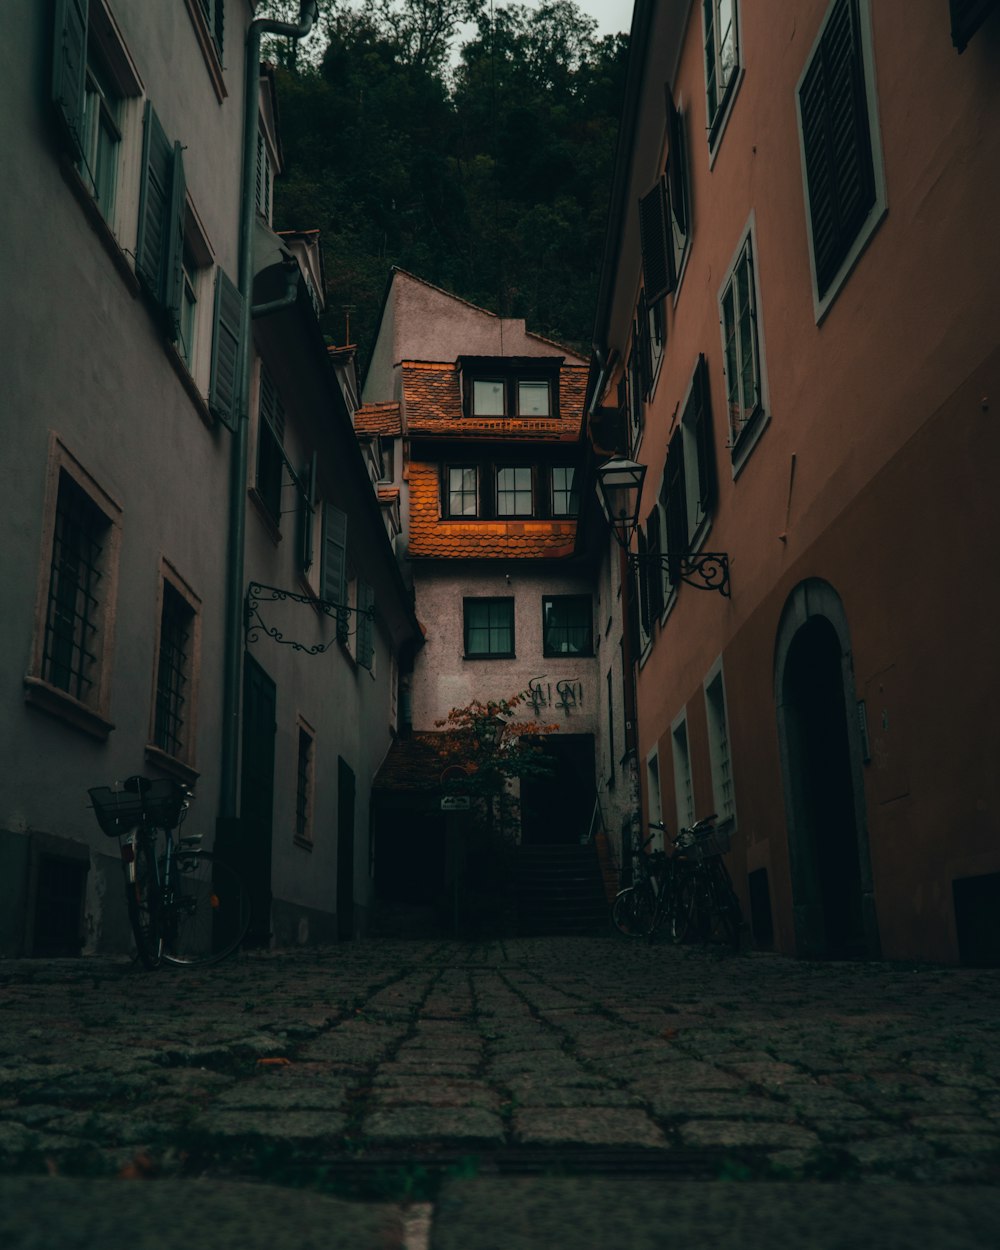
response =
{"points": [[468, 143]]}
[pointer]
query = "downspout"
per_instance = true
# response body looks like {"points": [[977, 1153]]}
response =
{"points": [[232, 660]]}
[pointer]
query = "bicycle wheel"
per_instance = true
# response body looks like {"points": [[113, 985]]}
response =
{"points": [[206, 912], [681, 919], [142, 895], [632, 912], [729, 914]]}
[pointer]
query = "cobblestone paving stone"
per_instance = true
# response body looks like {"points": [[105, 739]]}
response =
{"points": [[789, 1070]]}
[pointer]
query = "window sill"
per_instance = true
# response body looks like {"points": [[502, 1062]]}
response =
{"points": [[49, 698], [304, 844], [507, 655], [171, 764], [208, 51], [265, 514], [99, 225]]}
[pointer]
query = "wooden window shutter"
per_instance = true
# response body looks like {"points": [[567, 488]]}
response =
{"points": [[154, 205], [219, 25], [307, 500], [224, 383], [701, 423], [645, 347], [334, 556], [642, 573], [836, 142], [657, 251], [966, 18], [69, 70], [366, 625], [677, 164], [173, 286], [654, 578], [677, 515]]}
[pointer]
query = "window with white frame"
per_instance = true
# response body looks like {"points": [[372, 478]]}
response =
{"points": [[678, 182], [689, 488], [683, 789], [565, 492], [513, 491], [488, 397], [718, 747], [741, 339], [533, 399], [722, 60], [841, 154], [462, 491], [71, 657]]}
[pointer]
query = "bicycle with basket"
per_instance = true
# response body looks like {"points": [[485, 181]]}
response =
{"points": [[184, 905]]}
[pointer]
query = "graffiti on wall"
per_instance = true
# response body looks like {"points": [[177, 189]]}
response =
{"points": [[564, 696]]}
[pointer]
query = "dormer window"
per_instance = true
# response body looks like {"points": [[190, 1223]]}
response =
{"points": [[533, 399], [487, 397]]}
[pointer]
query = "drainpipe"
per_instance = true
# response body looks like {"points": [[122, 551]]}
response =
{"points": [[232, 661]]}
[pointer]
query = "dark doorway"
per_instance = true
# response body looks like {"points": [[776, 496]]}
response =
{"points": [[824, 831], [410, 850], [977, 919], [253, 853], [59, 906], [345, 850], [559, 808]]}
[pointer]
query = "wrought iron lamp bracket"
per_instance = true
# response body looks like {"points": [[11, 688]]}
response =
{"points": [[705, 570], [254, 624]]}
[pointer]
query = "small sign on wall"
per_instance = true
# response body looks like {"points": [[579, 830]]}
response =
{"points": [[456, 803]]}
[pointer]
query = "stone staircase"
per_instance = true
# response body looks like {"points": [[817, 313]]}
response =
{"points": [[560, 889]]}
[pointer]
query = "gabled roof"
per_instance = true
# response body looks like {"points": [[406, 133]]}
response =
{"points": [[413, 763]]}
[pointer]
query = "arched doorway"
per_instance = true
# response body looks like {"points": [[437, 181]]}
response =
{"points": [[821, 757]]}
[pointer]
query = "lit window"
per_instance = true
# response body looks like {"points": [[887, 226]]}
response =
{"points": [[489, 628], [514, 492]]}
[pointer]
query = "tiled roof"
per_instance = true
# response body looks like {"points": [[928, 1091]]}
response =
{"points": [[377, 419], [413, 763], [387, 493], [432, 397], [432, 538]]}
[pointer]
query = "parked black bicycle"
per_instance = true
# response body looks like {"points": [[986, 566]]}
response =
{"points": [[184, 905], [704, 907]]}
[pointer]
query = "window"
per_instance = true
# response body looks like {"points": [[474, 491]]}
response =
{"points": [[718, 747], [514, 491], [70, 669], [176, 660], [659, 273], [565, 492], [304, 784], [633, 395], [489, 628], [334, 570], [682, 773], [689, 477], [653, 796], [270, 451], [533, 399], [678, 182], [101, 136], [741, 348], [215, 16], [366, 627], [612, 772], [845, 196], [159, 260], [463, 491], [567, 625], [966, 18], [722, 60], [223, 389], [487, 398]]}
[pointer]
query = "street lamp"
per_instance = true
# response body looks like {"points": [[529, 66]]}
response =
{"points": [[619, 488]]}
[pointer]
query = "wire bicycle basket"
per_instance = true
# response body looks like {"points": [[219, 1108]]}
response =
{"points": [[700, 844], [119, 811]]}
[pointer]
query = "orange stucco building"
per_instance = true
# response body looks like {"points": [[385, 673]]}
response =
{"points": [[798, 328]]}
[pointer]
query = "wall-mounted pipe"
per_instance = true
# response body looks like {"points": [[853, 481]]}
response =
{"points": [[233, 644]]}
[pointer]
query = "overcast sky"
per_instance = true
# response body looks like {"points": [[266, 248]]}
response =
{"points": [[612, 15]]}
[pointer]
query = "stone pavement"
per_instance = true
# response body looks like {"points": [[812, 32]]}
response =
{"points": [[581, 1079]]}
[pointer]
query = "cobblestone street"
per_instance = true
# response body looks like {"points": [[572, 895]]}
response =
{"points": [[426, 1071]]}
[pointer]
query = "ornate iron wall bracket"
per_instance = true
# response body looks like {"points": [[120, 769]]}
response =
{"points": [[254, 625], [705, 570]]}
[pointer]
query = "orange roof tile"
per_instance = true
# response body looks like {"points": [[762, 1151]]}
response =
{"points": [[433, 538], [378, 419], [387, 493]]}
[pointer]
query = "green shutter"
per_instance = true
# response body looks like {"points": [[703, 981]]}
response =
{"points": [[677, 518], [701, 421], [307, 498], [218, 25], [366, 625], [334, 555], [155, 203], [69, 70], [654, 575], [677, 165], [657, 248], [224, 385], [173, 285]]}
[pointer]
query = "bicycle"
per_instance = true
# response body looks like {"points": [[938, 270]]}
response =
{"points": [[706, 906], [633, 908], [184, 905]]}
